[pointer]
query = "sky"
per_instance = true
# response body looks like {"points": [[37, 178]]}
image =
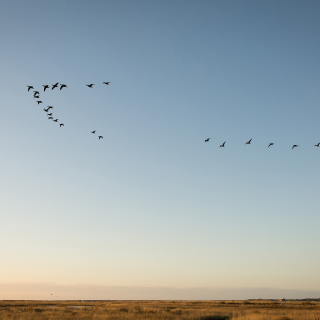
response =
{"points": [[151, 210]]}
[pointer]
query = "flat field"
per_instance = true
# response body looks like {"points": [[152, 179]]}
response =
{"points": [[161, 310]]}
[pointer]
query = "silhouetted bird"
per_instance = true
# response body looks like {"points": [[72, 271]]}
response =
{"points": [[294, 146], [50, 107], [93, 132], [207, 140], [317, 145], [46, 110], [249, 142], [107, 83], [100, 137], [62, 86], [222, 146], [30, 87], [49, 114], [270, 144], [49, 118], [36, 97], [36, 92], [55, 120], [90, 85], [55, 85], [45, 86], [61, 124], [39, 102]]}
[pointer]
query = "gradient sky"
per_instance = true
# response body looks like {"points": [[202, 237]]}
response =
{"points": [[151, 205]]}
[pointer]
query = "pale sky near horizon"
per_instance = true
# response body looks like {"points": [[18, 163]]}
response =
{"points": [[152, 204]]}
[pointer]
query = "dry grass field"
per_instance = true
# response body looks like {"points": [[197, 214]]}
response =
{"points": [[161, 310]]}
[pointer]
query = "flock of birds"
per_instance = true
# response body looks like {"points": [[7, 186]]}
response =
{"points": [[36, 95], [270, 144]]}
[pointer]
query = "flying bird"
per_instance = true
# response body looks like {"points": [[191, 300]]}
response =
{"points": [[49, 118], [100, 137], [50, 107], [93, 132], [317, 145], [30, 87], [207, 140], [107, 83], [55, 85], [45, 86], [294, 146], [61, 124], [270, 144], [55, 120], [62, 86], [249, 142], [46, 110], [36, 97], [90, 85], [39, 102], [49, 114], [222, 146]]}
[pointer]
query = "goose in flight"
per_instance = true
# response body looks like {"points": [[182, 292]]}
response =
{"points": [[249, 142], [45, 86], [50, 107], [61, 124], [294, 146], [36, 92], [49, 118], [55, 85], [46, 110], [36, 97], [317, 145], [90, 85], [55, 120], [30, 87], [93, 132], [222, 146], [207, 140], [49, 114], [62, 86], [107, 83], [39, 102], [100, 137], [270, 144]]}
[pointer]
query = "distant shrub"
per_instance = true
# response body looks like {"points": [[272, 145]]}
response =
{"points": [[124, 309]]}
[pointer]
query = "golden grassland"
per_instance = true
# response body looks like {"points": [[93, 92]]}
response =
{"points": [[161, 310]]}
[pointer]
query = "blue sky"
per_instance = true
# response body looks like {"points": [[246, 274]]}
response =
{"points": [[152, 205]]}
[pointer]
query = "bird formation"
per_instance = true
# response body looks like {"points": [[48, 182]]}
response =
{"points": [[36, 95], [270, 144]]}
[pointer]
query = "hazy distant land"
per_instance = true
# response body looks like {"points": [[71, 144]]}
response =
{"points": [[305, 309]]}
